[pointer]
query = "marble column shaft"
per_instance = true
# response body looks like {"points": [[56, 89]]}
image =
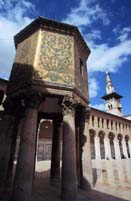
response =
{"points": [[129, 144], [84, 163], [69, 171], [124, 148], [78, 153], [9, 176], [86, 160], [55, 157], [23, 181], [117, 149], [7, 128]]}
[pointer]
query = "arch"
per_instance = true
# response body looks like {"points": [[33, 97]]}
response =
{"points": [[44, 145], [120, 137], [45, 131], [93, 119], [101, 135], [92, 133], [127, 145], [111, 137]]}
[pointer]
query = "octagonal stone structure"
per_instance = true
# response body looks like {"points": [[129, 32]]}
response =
{"points": [[50, 57]]}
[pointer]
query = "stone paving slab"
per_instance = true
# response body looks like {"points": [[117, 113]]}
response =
{"points": [[112, 183]]}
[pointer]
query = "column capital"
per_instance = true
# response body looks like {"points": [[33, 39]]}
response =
{"points": [[82, 112], [33, 99], [13, 107], [69, 105]]}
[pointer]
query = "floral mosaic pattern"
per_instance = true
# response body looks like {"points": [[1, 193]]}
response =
{"points": [[56, 58]]}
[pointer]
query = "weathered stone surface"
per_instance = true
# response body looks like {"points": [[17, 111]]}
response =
{"points": [[26, 158], [55, 158], [69, 171]]}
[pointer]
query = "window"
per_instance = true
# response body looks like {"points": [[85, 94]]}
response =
{"points": [[102, 123], [92, 120], [107, 121], [98, 122]]}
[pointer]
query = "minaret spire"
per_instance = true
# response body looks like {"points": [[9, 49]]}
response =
{"points": [[109, 85], [112, 99]]}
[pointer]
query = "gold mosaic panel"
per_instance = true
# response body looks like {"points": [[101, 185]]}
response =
{"points": [[26, 50], [56, 59], [23, 66]]}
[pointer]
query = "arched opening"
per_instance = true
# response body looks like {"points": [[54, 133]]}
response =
{"points": [[92, 135], [127, 145], [120, 145], [102, 147], [111, 140], [44, 143]]}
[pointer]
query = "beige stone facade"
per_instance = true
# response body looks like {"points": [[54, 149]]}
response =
{"points": [[110, 136]]}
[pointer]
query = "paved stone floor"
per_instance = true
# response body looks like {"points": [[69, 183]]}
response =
{"points": [[112, 182], [113, 177]]}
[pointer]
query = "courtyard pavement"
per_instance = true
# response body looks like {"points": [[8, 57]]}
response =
{"points": [[112, 182]]}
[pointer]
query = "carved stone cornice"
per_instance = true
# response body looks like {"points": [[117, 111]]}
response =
{"points": [[69, 105]]}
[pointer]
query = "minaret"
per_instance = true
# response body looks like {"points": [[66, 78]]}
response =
{"points": [[112, 99]]}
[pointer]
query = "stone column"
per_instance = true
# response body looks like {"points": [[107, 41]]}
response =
{"points": [[9, 177], [97, 147], [124, 148], [69, 171], [117, 149], [8, 126], [129, 144], [107, 148], [55, 157], [86, 163], [23, 181], [77, 130], [80, 124]]}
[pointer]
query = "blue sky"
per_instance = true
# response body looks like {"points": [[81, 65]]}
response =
{"points": [[104, 24]]}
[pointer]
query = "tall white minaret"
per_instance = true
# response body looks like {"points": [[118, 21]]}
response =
{"points": [[109, 86], [112, 99]]}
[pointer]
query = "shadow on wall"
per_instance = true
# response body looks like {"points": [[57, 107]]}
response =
{"points": [[44, 190], [94, 176]]}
